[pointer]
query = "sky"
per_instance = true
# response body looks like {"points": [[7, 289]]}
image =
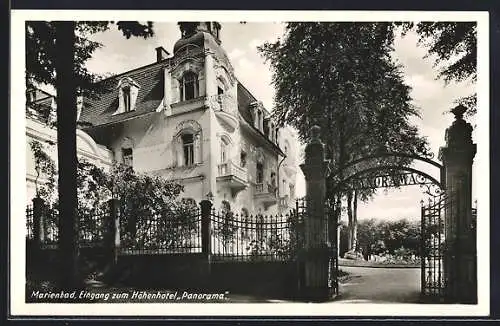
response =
{"points": [[240, 41]]}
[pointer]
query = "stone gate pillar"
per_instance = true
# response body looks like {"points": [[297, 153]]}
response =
{"points": [[315, 257], [460, 264]]}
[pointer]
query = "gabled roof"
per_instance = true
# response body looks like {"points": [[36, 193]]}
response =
{"points": [[100, 111]]}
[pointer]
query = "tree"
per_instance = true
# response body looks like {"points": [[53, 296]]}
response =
{"points": [[454, 48], [341, 77], [56, 53], [399, 237]]}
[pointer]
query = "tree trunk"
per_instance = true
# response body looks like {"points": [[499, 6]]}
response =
{"points": [[66, 153], [355, 220], [350, 226]]}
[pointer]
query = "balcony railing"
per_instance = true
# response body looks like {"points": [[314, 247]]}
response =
{"points": [[231, 169], [265, 188]]}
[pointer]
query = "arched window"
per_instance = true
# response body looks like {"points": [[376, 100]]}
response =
{"points": [[189, 86], [187, 144], [188, 147]]}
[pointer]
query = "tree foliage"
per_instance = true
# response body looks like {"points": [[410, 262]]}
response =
{"points": [[453, 45], [340, 76], [399, 237]]}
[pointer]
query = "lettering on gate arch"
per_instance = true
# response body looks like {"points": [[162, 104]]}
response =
{"points": [[382, 175], [388, 181]]}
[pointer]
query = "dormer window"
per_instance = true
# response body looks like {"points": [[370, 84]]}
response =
{"points": [[126, 98], [127, 95], [189, 86]]}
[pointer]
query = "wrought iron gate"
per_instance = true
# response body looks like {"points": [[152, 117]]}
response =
{"points": [[333, 262], [433, 243]]}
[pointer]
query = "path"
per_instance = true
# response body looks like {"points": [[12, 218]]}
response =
{"points": [[380, 285]]}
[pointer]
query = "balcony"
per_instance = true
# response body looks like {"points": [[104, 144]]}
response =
{"points": [[225, 110], [233, 176], [266, 193]]}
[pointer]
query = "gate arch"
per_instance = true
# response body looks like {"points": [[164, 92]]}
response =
{"points": [[441, 183]]}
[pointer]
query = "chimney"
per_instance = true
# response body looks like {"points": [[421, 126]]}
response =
{"points": [[161, 54]]}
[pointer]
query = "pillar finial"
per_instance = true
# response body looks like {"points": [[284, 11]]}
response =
{"points": [[459, 111], [315, 132]]}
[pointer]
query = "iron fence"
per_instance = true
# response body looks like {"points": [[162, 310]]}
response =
{"points": [[254, 237], [169, 231], [92, 225], [29, 221], [50, 221]]}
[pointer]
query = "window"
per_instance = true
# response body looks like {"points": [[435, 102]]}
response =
{"points": [[225, 206], [126, 99], [189, 202], [188, 146], [260, 173], [189, 86], [127, 95], [223, 151], [243, 159], [272, 184], [127, 156], [273, 178]]}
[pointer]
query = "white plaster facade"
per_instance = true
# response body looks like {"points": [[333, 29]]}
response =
{"points": [[187, 118]]}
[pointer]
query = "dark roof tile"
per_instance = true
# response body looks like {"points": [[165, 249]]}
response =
{"points": [[100, 110]]}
